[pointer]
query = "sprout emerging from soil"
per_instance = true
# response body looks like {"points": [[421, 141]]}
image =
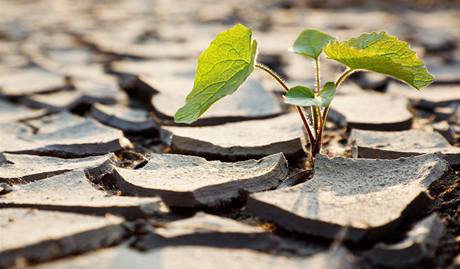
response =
{"points": [[231, 58]]}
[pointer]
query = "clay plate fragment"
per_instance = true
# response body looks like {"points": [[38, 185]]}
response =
{"points": [[429, 98], [372, 198], [370, 80], [61, 135], [10, 112], [392, 145], [373, 111], [448, 131], [22, 168], [251, 101], [154, 68], [30, 236], [71, 192], [212, 231], [17, 83], [239, 141], [419, 245], [127, 119], [445, 74], [193, 257], [84, 94], [187, 181]]}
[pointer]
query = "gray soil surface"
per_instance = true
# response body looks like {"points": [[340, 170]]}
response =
{"points": [[36, 235], [370, 198], [242, 140], [71, 192], [187, 181], [251, 101], [373, 111], [390, 145], [95, 173]]}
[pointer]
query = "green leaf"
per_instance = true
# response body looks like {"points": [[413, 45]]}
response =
{"points": [[301, 96], [222, 68], [327, 94], [304, 96], [381, 53], [310, 43]]}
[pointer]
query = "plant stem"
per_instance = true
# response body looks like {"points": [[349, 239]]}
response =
{"points": [[273, 74], [318, 82], [316, 110], [343, 76], [286, 89], [339, 81]]}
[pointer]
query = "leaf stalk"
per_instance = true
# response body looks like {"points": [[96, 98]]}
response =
{"points": [[277, 77], [339, 81]]}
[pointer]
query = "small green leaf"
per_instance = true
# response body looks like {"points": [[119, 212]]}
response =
{"points": [[222, 68], [303, 96], [381, 53], [327, 94], [310, 43]]}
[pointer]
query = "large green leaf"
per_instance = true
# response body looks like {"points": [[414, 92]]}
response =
{"points": [[304, 96], [222, 68], [310, 43], [382, 53]]}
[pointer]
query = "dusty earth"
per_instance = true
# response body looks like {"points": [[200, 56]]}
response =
{"points": [[94, 172]]}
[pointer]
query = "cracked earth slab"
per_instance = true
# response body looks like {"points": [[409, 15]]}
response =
{"points": [[154, 69], [419, 246], [187, 181], [10, 112], [392, 145], [446, 74], [371, 81], [83, 94], [251, 101], [373, 111], [127, 119], [61, 135], [240, 140], [212, 231], [192, 257], [22, 168], [372, 198], [109, 43], [71, 192], [17, 83], [429, 98], [30, 236], [449, 131]]}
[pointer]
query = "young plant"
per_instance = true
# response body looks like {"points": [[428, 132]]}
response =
{"points": [[231, 58]]}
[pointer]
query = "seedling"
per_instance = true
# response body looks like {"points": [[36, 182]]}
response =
{"points": [[231, 58]]}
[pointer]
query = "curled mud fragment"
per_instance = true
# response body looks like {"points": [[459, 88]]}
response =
{"points": [[32, 236], [240, 140], [370, 198], [193, 182]]}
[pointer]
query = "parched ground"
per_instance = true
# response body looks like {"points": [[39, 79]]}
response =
{"points": [[94, 172]]}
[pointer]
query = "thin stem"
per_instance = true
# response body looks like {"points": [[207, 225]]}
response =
{"points": [[274, 75], [286, 88], [343, 76], [339, 81], [316, 110], [318, 82]]}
